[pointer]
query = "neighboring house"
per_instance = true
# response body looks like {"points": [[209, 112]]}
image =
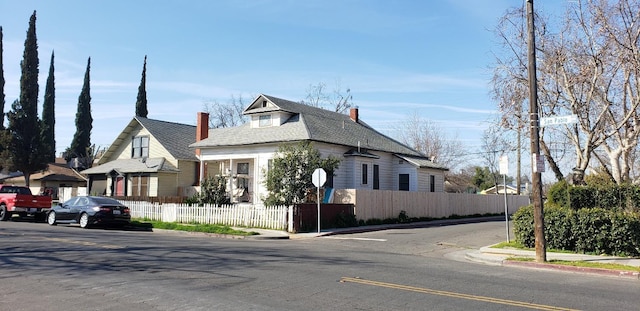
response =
{"points": [[149, 158], [58, 175], [368, 159]]}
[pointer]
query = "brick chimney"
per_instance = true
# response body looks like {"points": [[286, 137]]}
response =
{"points": [[353, 114], [202, 128]]}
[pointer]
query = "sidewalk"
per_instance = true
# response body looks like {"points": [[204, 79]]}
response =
{"points": [[499, 257]]}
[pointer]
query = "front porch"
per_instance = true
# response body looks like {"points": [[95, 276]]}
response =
{"points": [[241, 177]]}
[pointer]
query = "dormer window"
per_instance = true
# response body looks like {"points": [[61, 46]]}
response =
{"points": [[265, 120], [140, 147]]}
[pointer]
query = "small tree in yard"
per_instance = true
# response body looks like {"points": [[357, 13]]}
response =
{"points": [[213, 191], [289, 177]]}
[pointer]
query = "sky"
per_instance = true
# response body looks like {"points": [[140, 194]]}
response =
{"points": [[399, 58]]}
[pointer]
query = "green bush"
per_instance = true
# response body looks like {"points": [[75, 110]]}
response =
{"points": [[558, 193], [587, 230], [559, 233], [523, 226]]}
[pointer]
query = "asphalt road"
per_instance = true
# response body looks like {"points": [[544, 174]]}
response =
{"points": [[68, 268]]}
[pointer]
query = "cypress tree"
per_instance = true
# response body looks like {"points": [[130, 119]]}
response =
{"points": [[4, 134], [141, 102], [25, 147], [84, 122], [1, 85], [48, 117]]}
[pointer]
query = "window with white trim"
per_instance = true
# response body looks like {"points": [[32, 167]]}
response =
{"points": [[265, 120], [140, 147]]}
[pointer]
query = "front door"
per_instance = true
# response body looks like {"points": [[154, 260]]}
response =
{"points": [[120, 186]]}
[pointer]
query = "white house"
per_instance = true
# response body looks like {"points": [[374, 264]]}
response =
{"points": [[368, 159]]}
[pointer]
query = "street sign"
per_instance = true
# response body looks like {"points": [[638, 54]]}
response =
{"points": [[319, 177], [504, 165], [569, 119]]}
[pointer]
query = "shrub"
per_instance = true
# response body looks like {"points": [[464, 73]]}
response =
{"points": [[523, 226], [558, 193], [587, 230]]}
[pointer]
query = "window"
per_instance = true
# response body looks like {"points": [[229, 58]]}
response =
{"points": [[140, 147], [264, 104], [376, 176], [140, 186], [432, 183], [243, 168], [365, 174], [265, 120], [403, 182]]}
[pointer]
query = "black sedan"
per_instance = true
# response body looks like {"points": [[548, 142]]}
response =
{"points": [[89, 210]]}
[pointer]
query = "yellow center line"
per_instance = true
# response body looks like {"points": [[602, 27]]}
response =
{"points": [[453, 294]]}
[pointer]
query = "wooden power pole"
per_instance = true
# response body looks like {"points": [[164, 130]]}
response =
{"points": [[538, 209]]}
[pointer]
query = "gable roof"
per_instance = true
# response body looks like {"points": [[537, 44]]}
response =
{"points": [[306, 123], [174, 137]]}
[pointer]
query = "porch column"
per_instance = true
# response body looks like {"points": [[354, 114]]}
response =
{"points": [[231, 197]]}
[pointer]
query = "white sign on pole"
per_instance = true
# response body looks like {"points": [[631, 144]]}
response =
{"points": [[504, 165], [538, 160], [319, 177], [568, 119]]}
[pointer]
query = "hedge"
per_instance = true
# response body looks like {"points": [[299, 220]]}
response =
{"points": [[623, 197], [587, 230]]}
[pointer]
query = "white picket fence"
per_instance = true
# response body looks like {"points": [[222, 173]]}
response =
{"points": [[245, 215]]}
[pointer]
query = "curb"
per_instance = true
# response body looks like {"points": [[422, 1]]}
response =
{"points": [[595, 271]]}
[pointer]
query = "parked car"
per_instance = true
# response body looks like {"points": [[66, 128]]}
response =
{"points": [[89, 210], [20, 200]]}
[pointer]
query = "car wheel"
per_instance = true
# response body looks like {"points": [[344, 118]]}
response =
{"points": [[51, 219], [4, 214], [84, 221]]}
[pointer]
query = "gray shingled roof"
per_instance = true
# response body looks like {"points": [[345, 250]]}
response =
{"points": [[151, 165], [307, 123], [175, 137], [422, 162]]}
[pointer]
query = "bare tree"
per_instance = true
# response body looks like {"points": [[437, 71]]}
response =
{"points": [[430, 139], [319, 96], [589, 66], [226, 115], [494, 145]]}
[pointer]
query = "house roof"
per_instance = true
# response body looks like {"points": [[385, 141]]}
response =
{"points": [[422, 162], [57, 171], [306, 123], [151, 165], [174, 137]]}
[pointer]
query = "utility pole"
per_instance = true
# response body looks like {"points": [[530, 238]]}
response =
{"points": [[538, 209]]}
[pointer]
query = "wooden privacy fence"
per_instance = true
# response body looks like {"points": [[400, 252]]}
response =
{"points": [[383, 204], [253, 216]]}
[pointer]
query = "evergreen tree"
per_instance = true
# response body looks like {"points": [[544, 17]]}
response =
{"points": [[81, 143], [48, 117], [141, 102], [25, 147], [4, 134], [1, 86]]}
